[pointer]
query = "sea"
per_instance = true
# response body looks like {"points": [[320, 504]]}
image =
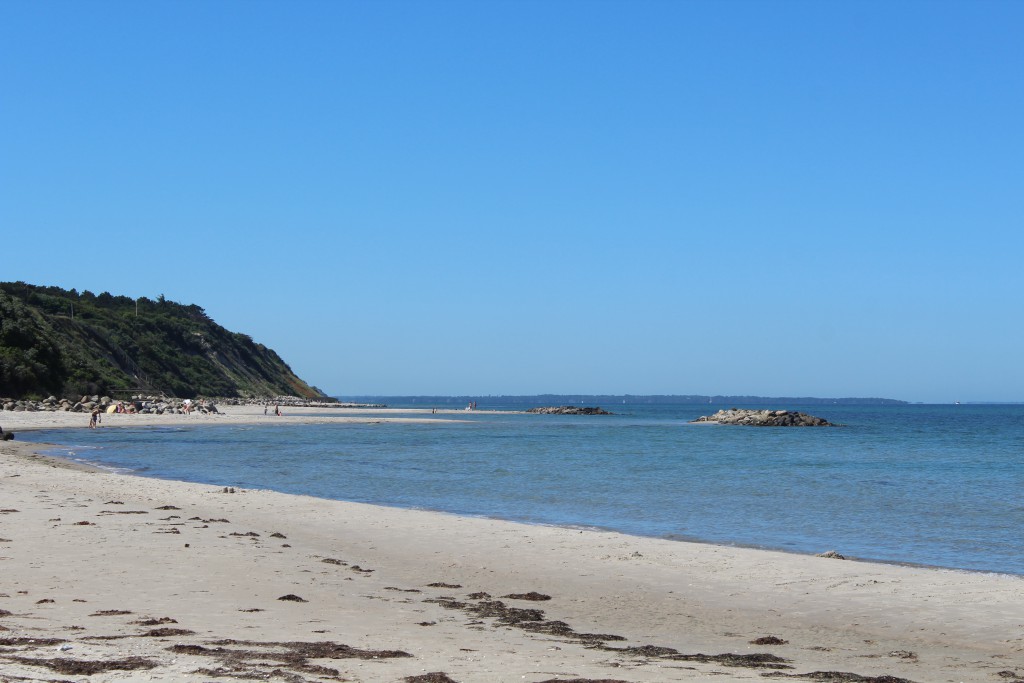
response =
{"points": [[933, 485]]}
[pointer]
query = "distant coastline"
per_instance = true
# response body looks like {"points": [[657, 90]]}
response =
{"points": [[618, 399]]}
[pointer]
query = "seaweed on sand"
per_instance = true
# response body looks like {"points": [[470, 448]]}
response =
{"points": [[73, 667], [293, 656], [533, 620], [526, 619], [432, 677], [838, 677]]}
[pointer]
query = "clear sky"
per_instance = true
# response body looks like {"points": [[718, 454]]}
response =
{"points": [[438, 197]]}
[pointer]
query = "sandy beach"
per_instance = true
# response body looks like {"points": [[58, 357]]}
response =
{"points": [[109, 577]]}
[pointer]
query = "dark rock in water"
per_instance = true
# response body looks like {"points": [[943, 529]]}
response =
{"points": [[764, 418], [569, 410]]}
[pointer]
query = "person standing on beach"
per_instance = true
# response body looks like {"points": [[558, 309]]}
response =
{"points": [[277, 411], [93, 417]]}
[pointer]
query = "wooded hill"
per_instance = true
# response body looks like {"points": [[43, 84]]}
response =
{"points": [[64, 343]]}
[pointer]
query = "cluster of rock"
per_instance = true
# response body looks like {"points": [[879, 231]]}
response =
{"points": [[764, 418], [141, 404], [569, 410], [51, 404], [159, 405], [294, 402]]}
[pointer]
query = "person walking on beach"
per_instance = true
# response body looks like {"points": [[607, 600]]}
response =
{"points": [[277, 411], [94, 418]]}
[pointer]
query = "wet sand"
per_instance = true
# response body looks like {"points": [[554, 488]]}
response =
{"points": [[107, 577]]}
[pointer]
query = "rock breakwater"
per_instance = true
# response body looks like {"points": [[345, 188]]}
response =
{"points": [[569, 410], [764, 418]]}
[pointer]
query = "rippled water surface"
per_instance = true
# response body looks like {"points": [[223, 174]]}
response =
{"points": [[936, 485]]}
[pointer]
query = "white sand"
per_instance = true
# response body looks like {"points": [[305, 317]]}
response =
{"points": [[57, 575]]}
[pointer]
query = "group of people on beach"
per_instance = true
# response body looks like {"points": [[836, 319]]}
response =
{"points": [[188, 406], [277, 409], [122, 408]]}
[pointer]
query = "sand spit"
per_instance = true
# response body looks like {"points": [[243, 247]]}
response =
{"points": [[21, 421], [109, 577]]}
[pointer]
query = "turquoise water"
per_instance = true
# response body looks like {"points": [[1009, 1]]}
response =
{"points": [[932, 485]]}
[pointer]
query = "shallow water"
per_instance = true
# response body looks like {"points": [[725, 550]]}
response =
{"points": [[933, 485]]}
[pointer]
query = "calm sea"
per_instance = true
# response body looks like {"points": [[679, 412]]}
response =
{"points": [[932, 485]]}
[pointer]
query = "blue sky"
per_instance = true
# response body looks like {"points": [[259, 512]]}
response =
{"points": [[774, 198]]}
